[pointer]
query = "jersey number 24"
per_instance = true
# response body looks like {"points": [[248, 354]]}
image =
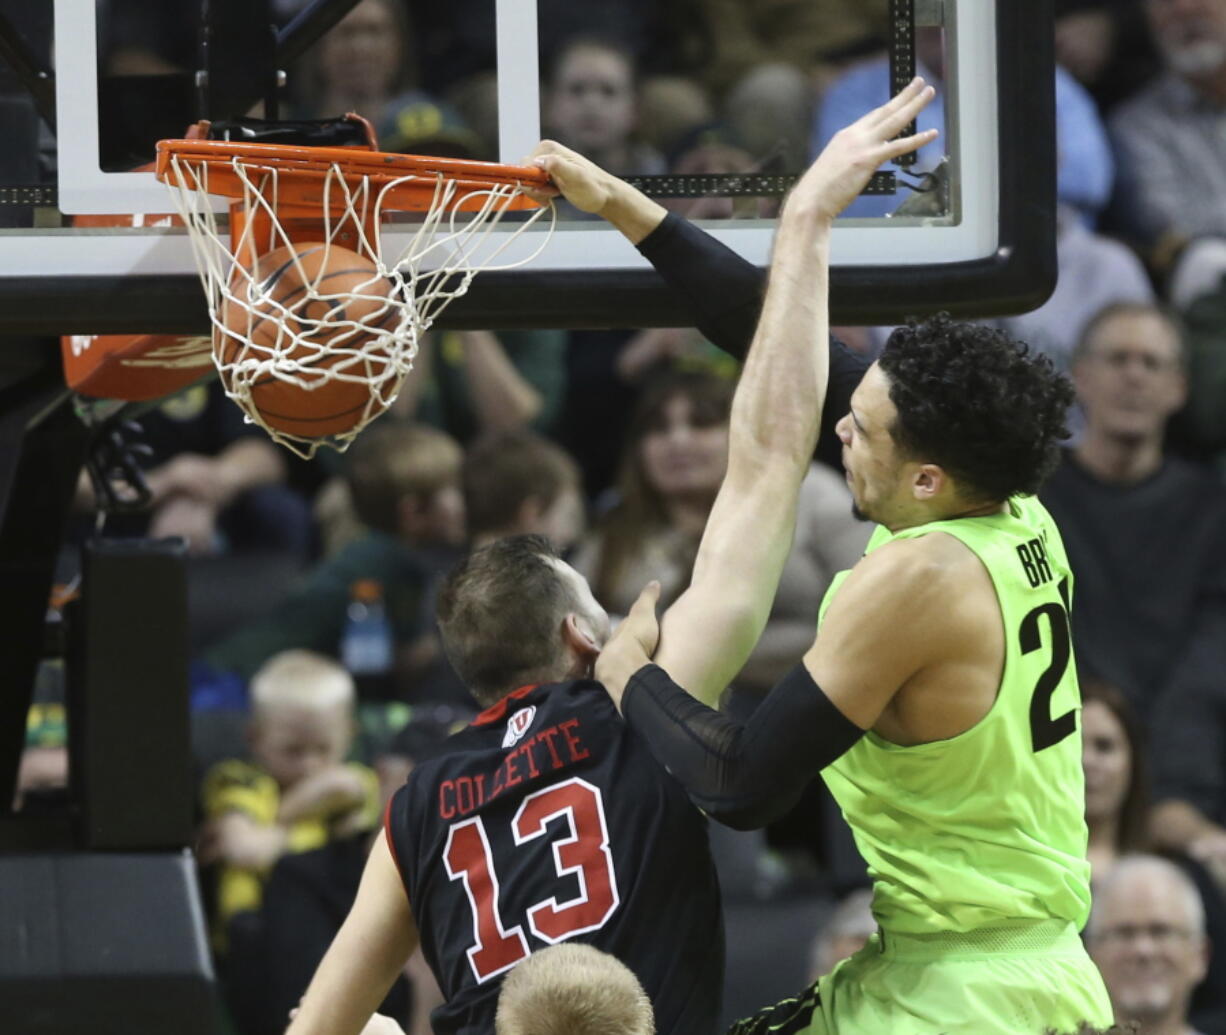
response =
{"points": [[585, 854]]}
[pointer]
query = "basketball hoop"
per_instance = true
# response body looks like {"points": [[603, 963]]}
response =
{"points": [[317, 359]]}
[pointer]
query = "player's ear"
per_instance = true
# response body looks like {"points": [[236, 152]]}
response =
{"points": [[580, 637], [928, 481]]}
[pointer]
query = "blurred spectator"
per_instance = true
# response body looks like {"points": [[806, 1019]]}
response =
{"points": [[716, 149], [1147, 935], [1093, 272], [1197, 290], [273, 955], [403, 480], [1117, 814], [148, 37], [415, 123], [43, 768], [724, 41], [366, 64], [472, 382], [1117, 780], [591, 103], [1171, 138], [456, 42], [673, 462], [215, 481], [360, 64], [297, 793], [1086, 165], [607, 370], [845, 933], [469, 384], [572, 989], [771, 109], [671, 109], [1106, 45], [1189, 735], [1143, 530], [518, 483]]}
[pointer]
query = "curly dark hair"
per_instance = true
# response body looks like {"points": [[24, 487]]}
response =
{"points": [[978, 402]]}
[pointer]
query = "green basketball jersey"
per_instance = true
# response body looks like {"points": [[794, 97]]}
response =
{"points": [[985, 829]]}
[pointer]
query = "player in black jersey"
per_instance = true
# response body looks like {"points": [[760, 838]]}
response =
{"points": [[547, 819]]}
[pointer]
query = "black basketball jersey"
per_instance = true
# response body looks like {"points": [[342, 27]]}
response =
{"points": [[547, 820]]}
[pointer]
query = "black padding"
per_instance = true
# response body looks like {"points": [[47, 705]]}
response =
{"points": [[129, 744], [103, 944]]}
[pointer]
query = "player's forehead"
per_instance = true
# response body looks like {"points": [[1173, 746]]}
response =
{"points": [[871, 407]]}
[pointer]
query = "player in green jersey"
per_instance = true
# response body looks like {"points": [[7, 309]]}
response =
{"points": [[939, 698]]}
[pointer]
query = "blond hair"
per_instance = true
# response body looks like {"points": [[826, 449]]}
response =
{"points": [[573, 990], [301, 678]]}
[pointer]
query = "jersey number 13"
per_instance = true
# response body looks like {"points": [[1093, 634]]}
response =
{"points": [[585, 854]]}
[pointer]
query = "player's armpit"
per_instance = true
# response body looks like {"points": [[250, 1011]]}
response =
{"points": [[366, 956], [894, 615]]}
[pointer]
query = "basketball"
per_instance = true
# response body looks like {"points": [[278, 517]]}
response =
{"points": [[309, 312]]}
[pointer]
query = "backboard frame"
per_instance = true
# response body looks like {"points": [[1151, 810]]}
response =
{"points": [[1017, 273]]}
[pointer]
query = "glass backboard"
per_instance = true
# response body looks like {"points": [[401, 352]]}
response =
{"points": [[712, 132]]}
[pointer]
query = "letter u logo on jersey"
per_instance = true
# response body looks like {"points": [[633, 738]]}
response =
{"points": [[518, 725]]}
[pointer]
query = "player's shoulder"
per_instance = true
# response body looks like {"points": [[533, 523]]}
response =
{"points": [[501, 725], [912, 564]]}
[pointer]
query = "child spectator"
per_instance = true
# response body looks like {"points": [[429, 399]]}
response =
{"points": [[518, 483], [297, 792], [403, 480]]}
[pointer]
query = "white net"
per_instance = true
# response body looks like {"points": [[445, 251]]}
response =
{"points": [[349, 330]]}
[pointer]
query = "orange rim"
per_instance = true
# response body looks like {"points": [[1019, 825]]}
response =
{"points": [[302, 173]]}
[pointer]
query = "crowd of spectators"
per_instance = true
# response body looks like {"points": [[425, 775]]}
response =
{"points": [[613, 444]]}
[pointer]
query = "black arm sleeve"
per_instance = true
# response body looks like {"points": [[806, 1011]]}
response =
{"points": [[743, 776], [724, 293]]}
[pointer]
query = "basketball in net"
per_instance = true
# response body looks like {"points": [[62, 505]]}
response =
{"points": [[311, 339], [304, 341]]}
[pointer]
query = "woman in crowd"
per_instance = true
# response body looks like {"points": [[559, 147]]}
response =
{"points": [[672, 463], [1117, 814], [1117, 778]]}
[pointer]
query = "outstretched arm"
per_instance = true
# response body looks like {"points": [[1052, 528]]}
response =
{"points": [[708, 633], [721, 290], [368, 953], [747, 775]]}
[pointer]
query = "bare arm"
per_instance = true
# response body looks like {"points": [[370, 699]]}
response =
{"points": [[333, 790], [246, 463], [828, 539], [709, 632], [368, 953], [502, 399], [746, 775]]}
